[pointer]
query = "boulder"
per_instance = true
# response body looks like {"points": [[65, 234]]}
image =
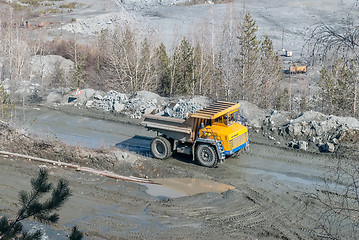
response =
{"points": [[349, 122], [327, 147], [149, 110], [89, 104], [292, 144], [54, 97], [294, 129], [201, 100], [118, 107], [278, 118], [302, 145]]}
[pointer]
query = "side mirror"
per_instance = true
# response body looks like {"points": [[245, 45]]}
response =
{"points": [[202, 125]]}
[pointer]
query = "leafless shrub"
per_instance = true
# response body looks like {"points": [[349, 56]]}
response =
{"points": [[337, 203]]}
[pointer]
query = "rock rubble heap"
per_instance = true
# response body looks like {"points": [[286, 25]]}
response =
{"points": [[134, 106], [310, 128], [96, 24], [182, 108], [141, 4]]}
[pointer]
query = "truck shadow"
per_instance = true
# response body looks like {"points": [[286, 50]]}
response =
{"points": [[184, 158], [141, 145], [137, 144]]}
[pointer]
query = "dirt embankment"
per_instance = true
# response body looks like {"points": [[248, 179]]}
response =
{"points": [[111, 159]]}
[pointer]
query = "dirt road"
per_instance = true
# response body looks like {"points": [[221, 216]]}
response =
{"points": [[269, 199]]}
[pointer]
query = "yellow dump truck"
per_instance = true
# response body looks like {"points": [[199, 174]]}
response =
{"points": [[297, 69], [210, 134]]}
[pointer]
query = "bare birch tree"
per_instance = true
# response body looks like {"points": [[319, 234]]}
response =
{"points": [[329, 43], [130, 60], [229, 46], [337, 203], [270, 76]]}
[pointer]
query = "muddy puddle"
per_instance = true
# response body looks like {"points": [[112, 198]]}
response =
{"points": [[181, 187]]}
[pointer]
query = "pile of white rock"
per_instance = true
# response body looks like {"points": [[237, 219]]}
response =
{"points": [[181, 109], [310, 127], [134, 106]]}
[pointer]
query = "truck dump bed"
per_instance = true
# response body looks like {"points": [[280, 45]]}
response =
{"points": [[172, 127]]}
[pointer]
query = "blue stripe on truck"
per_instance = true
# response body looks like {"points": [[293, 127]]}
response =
{"points": [[236, 149]]}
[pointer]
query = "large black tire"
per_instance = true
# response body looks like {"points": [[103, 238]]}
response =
{"points": [[161, 148], [206, 155]]}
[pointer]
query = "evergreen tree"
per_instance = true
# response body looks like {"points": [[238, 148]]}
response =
{"points": [[31, 207], [79, 74], [163, 69], [248, 57], [75, 234], [335, 44], [6, 105], [184, 67], [283, 100]]}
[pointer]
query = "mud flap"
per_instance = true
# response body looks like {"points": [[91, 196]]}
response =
{"points": [[193, 151]]}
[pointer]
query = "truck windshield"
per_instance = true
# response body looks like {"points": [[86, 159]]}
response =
{"points": [[228, 119], [233, 117]]}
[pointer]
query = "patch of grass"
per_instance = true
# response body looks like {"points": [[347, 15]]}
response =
{"points": [[47, 4], [34, 14], [70, 5], [34, 3], [19, 7], [50, 10]]}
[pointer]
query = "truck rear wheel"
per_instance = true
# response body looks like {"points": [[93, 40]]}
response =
{"points": [[161, 147], [206, 155]]}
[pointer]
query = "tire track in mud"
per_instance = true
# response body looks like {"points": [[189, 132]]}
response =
{"points": [[247, 212], [261, 205]]}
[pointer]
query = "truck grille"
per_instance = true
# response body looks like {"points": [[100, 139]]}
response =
{"points": [[241, 139]]}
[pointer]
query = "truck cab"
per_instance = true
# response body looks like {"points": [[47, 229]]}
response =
{"points": [[220, 132], [228, 130]]}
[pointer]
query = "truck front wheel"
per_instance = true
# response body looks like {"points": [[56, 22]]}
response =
{"points": [[206, 155], [161, 147]]}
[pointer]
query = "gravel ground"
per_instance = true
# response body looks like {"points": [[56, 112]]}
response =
{"points": [[269, 199], [264, 204]]}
